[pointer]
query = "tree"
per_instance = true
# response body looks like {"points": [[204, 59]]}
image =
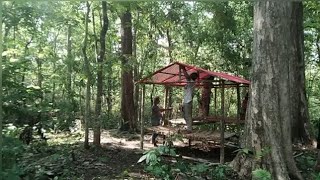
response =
{"points": [[1, 99], [301, 128], [88, 74], [69, 61], [312, 57], [127, 100], [270, 112], [103, 32]]}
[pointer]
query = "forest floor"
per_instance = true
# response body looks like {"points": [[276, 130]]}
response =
{"points": [[63, 157]]}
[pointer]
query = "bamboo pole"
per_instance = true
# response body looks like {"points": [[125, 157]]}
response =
{"points": [[215, 102], [222, 124], [238, 110], [142, 116], [165, 117]]}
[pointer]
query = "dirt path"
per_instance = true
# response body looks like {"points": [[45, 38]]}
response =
{"points": [[126, 140]]}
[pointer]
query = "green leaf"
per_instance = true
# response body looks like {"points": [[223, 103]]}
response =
{"points": [[143, 158], [261, 174], [245, 150]]}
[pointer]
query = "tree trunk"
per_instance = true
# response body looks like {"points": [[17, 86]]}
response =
{"points": [[170, 47], [136, 70], [141, 113], [55, 58], [301, 127], [1, 94], [127, 102], [39, 72], [317, 165], [270, 114], [69, 61], [96, 135], [109, 90], [88, 75], [70, 97]]}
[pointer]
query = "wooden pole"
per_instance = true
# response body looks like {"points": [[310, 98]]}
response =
{"points": [[215, 102], [142, 116], [238, 110], [222, 123], [1, 4], [165, 116]]}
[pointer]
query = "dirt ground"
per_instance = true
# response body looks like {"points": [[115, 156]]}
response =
{"points": [[121, 151], [65, 158]]}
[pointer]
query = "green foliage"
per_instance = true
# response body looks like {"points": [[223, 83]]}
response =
{"points": [[261, 174], [153, 156], [65, 115], [257, 154], [262, 153], [305, 162], [220, 172], [199, 169], [243, 150], [316, 176], [110, 121], [12, 150], [156, 165]]}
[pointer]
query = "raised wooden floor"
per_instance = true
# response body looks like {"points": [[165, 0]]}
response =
{"points": [[206, 120], [195, 135]]}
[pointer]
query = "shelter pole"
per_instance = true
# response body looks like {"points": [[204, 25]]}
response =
{"points": [[238, 110], [165, 117], [222, 124], [142, 116], [215, 101]]}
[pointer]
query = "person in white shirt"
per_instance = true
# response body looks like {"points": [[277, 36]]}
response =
{"points": [[188, 96]]}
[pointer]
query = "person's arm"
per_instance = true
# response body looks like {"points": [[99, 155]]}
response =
{"points": [[185, 73], [166, 109]]}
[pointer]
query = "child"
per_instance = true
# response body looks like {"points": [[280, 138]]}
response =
{"points": [[156, 117]]}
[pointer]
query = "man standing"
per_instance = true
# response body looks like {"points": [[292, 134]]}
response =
{"points": [[206, 96], [188, 96]]}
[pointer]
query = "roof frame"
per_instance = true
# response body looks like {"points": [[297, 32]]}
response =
{"points": [[176, 77]]}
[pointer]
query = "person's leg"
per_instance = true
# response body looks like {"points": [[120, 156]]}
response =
{"points": [[188, 115], [154, 138]]}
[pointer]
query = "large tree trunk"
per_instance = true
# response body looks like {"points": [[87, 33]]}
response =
{"points": [[301, 128], [136, 70], [88, 75], [69, 61], [127, 102], [270, 114], [96, 135]]}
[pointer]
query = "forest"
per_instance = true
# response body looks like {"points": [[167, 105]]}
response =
{"points": [[72, 105]]}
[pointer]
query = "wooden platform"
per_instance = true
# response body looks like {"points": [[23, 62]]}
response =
{"points": [[205, 120], [213, 119], [195, 135]]}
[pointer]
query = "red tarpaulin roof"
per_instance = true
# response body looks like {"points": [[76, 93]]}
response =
{"points": [[171, 75]]}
